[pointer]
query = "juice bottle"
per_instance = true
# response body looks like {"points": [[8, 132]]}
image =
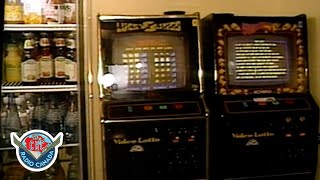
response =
{"points": [[13, 63], [3, 69], [13, 13]]}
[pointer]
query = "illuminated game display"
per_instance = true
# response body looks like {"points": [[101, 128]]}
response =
{"points": [[263, 57], [148, 62], [264, 121]]}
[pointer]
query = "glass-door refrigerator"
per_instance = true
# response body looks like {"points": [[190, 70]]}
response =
{"points": [[1, 30], [1, 40], [42, 85]]}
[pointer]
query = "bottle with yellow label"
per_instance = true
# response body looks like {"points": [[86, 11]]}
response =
{"points": [[13, 63], [13, 12]]}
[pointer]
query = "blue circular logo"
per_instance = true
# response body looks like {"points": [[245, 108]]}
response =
{"points": [[36, 150]]}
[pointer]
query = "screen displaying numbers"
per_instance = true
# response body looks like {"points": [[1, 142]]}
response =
{"points": [[149, 62], [150, 67]]}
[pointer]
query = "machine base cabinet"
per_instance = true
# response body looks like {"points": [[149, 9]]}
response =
{"points": [[269, 140], [162, 149]]}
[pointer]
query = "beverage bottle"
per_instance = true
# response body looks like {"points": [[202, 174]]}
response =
{"points": [[28, 41], [23, 116], [29, 66], [70, 12], [4, 113], [73, 170], [59, 39], [13, 13], [72, 123], [54, 119], [45, 62], [54, 12], [23, 119], [36, 52], [39, 116], [71, 41], [30, 102], [63, 104], [13, 63], [13, 123], [60, 60], [21, 101], [71, 59], [3, 68]]}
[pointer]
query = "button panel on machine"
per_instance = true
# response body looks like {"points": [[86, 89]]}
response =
{"points": [[272, 105], [183, 150], [152, 110], [294, 130]]}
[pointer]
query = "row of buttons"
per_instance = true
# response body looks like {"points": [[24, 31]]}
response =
{"points": [[181, 135], [301, 134], [160, 107], [289, 119]]}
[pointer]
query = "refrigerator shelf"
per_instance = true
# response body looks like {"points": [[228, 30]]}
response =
{"points": [[62, 146], [50, 88], [40, 27], [54, 86]]}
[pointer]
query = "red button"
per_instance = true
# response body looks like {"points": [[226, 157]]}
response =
{"points": [[178, 106], [289, 101], [262, 103], [147, 108]]}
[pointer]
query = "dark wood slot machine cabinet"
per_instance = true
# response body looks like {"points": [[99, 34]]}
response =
{"points": [[154, 121], [264, 120]]}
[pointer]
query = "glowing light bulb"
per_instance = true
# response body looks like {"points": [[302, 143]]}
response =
{"points": [[108, 80]]}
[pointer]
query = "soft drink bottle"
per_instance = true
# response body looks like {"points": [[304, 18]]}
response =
{"points": [[54, 119], [39, 116], [13, 123], [72, 124]]}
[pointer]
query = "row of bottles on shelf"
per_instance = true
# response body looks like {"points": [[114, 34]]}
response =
{"points": [[53, 113], [40, 12], [55, 172], [35, 57]]}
